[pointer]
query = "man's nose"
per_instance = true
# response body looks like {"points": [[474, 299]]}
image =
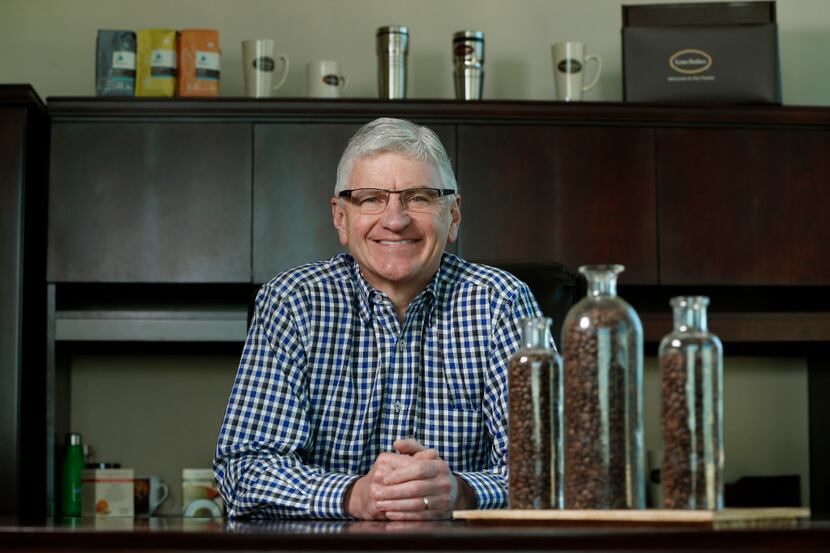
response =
{"points": [[395, 215]]}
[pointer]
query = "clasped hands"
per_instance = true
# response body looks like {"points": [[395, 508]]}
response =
{"points": [[412, 484]]}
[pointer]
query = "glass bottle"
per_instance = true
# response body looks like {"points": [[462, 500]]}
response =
{"points": [[691, 367], [72, 473], [602, 349], [534, 384]]}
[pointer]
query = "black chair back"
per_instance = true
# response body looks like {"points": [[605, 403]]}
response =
{"points": [[553, 285]]}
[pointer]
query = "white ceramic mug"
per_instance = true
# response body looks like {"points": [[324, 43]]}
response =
{"points": [[569, 62], [259, 62], [149, 493], [325, 80]]}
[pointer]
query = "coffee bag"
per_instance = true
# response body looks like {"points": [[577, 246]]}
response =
{"points": [[156, 63], [115, 63], [198, 62]]}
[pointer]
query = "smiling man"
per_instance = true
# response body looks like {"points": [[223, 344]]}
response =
{"points": [[373, 385]]}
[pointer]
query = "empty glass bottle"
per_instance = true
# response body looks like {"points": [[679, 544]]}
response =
{"points": [[691, 365], [534, 384], [602, 349]]}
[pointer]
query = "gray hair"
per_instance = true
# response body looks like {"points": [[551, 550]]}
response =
{"points": [[399, 136]]}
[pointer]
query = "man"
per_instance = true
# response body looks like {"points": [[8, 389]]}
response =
{"points": [[373, 385]]}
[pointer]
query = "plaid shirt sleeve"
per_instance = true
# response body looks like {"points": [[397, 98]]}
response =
{"points": [[258, 463], [490, 485]]}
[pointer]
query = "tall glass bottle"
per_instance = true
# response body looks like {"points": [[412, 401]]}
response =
{"points": [[534, 384], [602, 348], [71, 474], [691, 365]]}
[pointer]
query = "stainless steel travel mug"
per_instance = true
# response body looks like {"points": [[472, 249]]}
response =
{"points": [[392, 44], [468, 59]]}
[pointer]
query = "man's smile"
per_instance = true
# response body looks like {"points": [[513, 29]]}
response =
{"points": [[395, 242]]}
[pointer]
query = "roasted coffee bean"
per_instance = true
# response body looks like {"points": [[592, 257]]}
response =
{"points": [[684, 482], [598, 461], [530, 430]]}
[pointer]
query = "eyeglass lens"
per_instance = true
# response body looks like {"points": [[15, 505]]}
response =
{"points": [[374, 200]]}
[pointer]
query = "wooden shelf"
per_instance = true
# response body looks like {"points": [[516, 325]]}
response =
{"points": [[750, 327], [436, 110], [151, 326]]}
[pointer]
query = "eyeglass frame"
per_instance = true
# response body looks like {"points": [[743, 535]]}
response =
{"points": [[442, 192]]}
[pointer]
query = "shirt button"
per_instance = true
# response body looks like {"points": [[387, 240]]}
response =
{"points": [[397, 406]]}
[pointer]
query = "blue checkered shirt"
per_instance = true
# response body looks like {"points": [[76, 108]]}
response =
{"points": [[329, 379]]}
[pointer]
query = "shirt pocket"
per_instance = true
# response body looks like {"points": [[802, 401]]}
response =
{"points": [[464, 382], [464, 450]]}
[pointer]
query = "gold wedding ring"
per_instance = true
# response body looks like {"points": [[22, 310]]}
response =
{"points": [[426, 504]]}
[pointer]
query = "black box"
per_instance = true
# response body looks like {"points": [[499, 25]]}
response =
{"points": [[724, 52]]}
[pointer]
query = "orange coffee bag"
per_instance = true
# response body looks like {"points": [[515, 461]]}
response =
{"points": [[198, 62]]}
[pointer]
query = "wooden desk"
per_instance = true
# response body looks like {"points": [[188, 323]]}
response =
{"points": [[177, 534]]}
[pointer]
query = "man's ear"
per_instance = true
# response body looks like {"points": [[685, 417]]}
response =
{"points": [[338, 217], [455, 218]]}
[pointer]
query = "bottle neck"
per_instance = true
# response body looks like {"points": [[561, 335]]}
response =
{"points": [[689, 315], [536, 332], [602, 279]]}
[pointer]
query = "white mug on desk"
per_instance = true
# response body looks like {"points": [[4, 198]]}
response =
{"points": [[569, 62], [325, 79], [258, 60]]}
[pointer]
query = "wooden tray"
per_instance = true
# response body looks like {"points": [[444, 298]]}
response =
{"points": [[728, 518]]}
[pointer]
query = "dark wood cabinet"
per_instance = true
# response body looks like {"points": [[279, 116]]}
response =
{"points": [[723, 200], [24, 132], [295, 170], [577, 195], [294, 174], [744, 206], [150, 202]]}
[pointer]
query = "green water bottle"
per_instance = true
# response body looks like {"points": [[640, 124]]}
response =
{"points": [[73, 468]]}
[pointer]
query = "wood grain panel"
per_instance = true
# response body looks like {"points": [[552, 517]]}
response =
{"points": [[744, 206], [24, 129], [576, 195], [150, 202]]}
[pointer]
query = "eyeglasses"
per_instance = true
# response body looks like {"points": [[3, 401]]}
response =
{"points": [[374, 200]]}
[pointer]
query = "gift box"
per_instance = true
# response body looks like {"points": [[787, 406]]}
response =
{"points": [[724, 52], [107, 492]]}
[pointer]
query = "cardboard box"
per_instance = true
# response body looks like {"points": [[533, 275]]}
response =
{"points": [[107, 493], [725, 52]]}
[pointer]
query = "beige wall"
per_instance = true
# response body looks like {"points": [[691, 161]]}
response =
{"points": [[156, 414], [51, 43]]}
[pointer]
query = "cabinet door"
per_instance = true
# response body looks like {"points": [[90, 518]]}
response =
{"points": [[576, 195], [150, 202], [744, 206], [24, 429], [295, 169]]}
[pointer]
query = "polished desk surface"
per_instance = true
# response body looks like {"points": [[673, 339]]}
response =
{"points": [[182, 534]]}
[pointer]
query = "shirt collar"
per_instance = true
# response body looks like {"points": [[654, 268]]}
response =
{"points": [[368, 297]]}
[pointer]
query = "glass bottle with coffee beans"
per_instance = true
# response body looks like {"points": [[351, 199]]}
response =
{"points": [[534, 384], [691, 365], [602, 350]]}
